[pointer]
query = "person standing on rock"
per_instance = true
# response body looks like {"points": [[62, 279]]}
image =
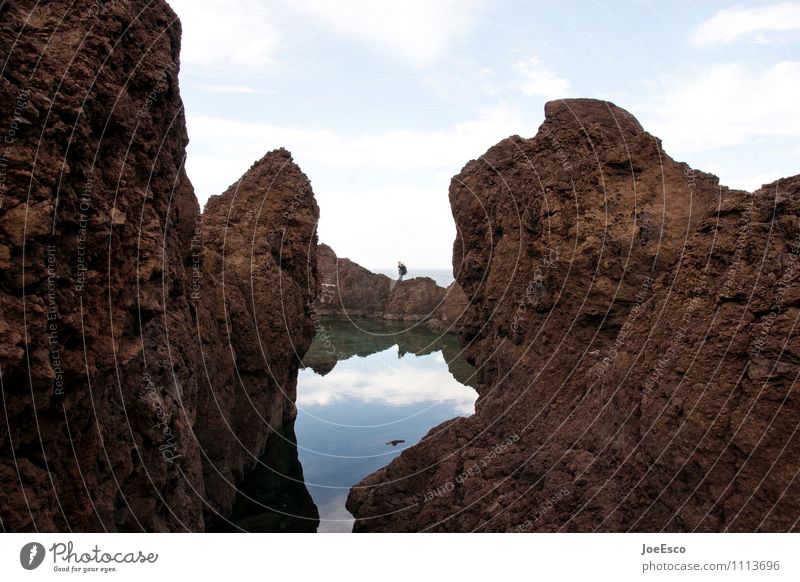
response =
{"points": [[401, 269]]}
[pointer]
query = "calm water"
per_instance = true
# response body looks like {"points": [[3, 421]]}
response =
{"points": [[443, 276], [365, 383]]}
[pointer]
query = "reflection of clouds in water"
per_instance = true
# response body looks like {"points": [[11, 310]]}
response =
{"points": [[385, 378], [348, 415], [337, 519]]}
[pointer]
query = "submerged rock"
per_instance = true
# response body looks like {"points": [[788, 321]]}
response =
{"points": [[631, 322]]}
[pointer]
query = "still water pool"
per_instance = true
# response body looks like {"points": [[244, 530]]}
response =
{"points": [[368, 389]]}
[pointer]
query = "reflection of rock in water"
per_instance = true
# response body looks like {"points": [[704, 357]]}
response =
{"points": [[321, 363], [273, 497], [419, 341], [341, 339], [457, 365]]}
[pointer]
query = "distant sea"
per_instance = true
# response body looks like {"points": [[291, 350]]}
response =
{"points": [[443, 277]]}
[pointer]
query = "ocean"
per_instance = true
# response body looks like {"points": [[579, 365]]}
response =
{"points": [[443, 277]]}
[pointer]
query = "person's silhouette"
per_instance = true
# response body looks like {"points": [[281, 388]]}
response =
{"points": [[401, 270]]}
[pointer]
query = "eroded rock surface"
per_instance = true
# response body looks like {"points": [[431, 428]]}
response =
{"points": [[254, 322], [453, 307], [633, 327], [132, 378], [416, 299], [348, 289]]}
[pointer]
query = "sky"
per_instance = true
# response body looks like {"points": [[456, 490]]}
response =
{"points": [[381, 102]]}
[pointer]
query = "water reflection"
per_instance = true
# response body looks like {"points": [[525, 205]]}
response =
{"points": [[341, 339], [273, 497], [368, 383], [368, 390]]}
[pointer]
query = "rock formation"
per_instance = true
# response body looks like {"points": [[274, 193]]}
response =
{"points": [[633, 327], [254, 321], [416, 299], [350, 290], [453, 307], [135, 390]]}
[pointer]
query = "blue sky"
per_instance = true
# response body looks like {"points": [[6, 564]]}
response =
{"points": [[381, 103]]}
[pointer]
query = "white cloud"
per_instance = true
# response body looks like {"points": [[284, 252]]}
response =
{"points": [[732, 24], [242, 89], [249, 32], [753, 183], [399, 221], [415, 30], [238, 33], [539, 81], [229, 147], [725, 105]]}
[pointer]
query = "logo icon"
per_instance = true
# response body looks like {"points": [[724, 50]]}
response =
{"points": [[31, 555]]}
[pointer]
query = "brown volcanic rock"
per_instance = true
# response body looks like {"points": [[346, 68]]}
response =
{"points": [[603, 405], [95, 237], [260, 244], [104, 283], [350, 290], [416, 299], [712, 396], [453, 307]]}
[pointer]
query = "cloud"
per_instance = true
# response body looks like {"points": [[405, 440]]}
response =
{"points": [[539, 81], [243, 89], [230, 146], [240, 33], [407, 221], [249, 32], [731, 24], [724, 105], [416, 30], [753, 183]]}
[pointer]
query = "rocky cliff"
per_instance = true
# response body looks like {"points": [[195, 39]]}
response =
{"points": [[633, 327], [254, 321], [348, 289], [131, 372]]}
